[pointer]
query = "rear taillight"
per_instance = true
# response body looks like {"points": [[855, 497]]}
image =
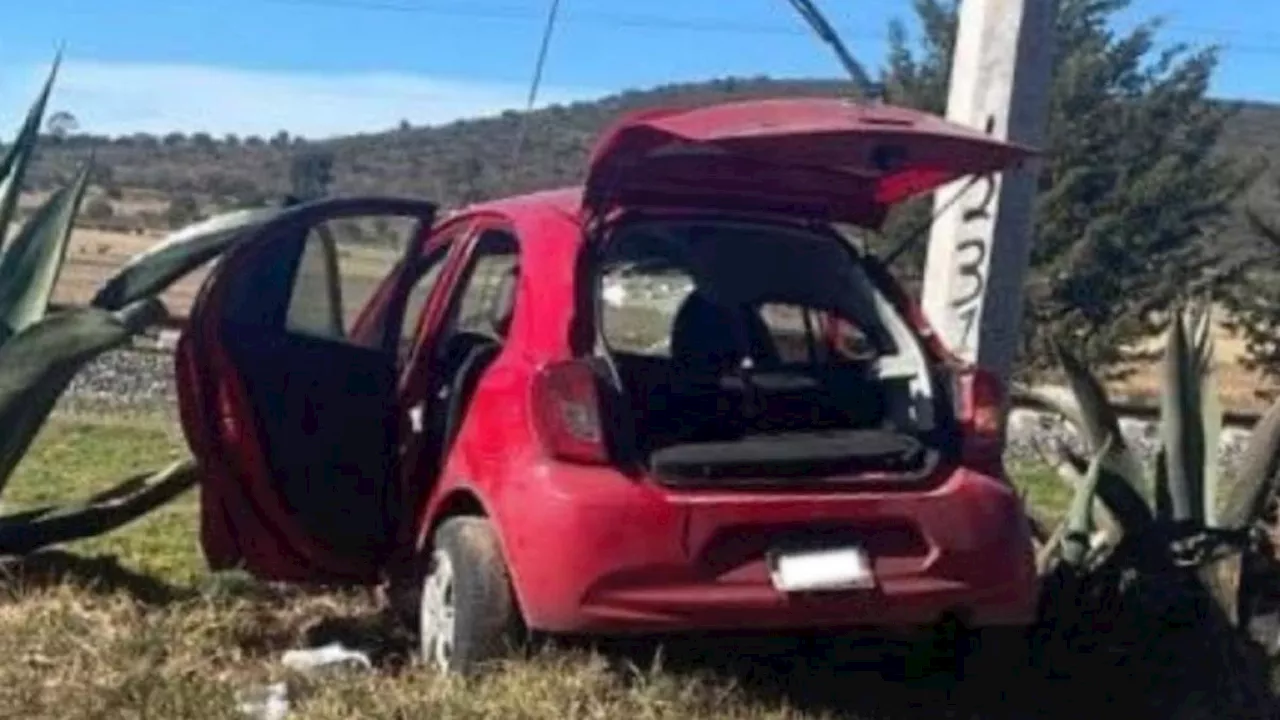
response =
{"points": [[979, 400], [566, 410]]}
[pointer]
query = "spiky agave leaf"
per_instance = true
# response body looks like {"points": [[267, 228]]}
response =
{"points": [[13, 167], [1199, 321], [1245, 498], [1117, 493], [150, 272], [1181, 427], [1098, 421], [1050, 551], [1071, 469], [37, 364], [31, 265], [1076, 541], [1160, 479], [1221, 577], [30, 531]]}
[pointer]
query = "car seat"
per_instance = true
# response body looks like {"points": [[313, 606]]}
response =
{"points": [[500, 311], [710, 338]]}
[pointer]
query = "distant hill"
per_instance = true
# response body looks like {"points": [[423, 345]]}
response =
{"points": [[453, 163]]}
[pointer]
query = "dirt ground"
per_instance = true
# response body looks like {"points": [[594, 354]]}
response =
{"points": [[1240, 388], [95, 254]]}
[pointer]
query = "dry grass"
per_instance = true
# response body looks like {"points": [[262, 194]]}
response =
{"points": [[95, 255], [1239, 387], [81, 653]]}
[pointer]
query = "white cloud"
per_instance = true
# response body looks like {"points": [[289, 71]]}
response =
{"points": [[117, 97]]}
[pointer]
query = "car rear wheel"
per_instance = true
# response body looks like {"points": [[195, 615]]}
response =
{"points": [[468, 616]]}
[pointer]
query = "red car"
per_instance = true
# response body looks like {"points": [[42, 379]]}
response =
{"points": [[681, 397]]}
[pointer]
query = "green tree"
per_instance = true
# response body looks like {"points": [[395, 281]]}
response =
{"points": [[468, 178], [61, 124], [311, 173], [1131, 187], [98, 210], [1252, 299], [183, 210], [204, 142], [103, 175]]}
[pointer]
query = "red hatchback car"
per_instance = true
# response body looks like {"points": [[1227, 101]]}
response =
{"points": [[681, 397]]}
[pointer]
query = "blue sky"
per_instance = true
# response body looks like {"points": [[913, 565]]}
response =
{"points": [[321, 67]]}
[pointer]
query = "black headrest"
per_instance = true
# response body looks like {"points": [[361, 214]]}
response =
{"points": [[704, 333]]}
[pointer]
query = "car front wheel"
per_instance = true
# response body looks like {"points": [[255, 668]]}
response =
{"points": [[468, 616]]}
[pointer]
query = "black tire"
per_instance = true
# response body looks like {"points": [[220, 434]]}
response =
{"points": [[486, 624]]}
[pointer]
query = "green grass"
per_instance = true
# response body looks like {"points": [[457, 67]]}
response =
{"points": [[1041, 487], [131, 625], [76, 457]]}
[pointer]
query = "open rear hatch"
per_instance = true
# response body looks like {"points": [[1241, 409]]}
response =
{"points": [[742, 175], [818, 158]]}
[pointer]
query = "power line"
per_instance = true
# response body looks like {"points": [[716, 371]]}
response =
{"points": [[552, 13], [524, 13], [822, 28]]}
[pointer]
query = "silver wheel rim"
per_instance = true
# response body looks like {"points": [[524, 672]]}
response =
{"points": [[438, 624]]}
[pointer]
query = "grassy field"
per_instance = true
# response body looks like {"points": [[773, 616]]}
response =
{"points": [[131, 626]]}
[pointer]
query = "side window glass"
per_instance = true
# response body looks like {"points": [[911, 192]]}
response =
{"points": [[638, 308], [341, 266], [486, 301], [415, 304], [805, 335]]}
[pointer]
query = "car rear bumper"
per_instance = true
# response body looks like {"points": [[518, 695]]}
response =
{"points": [[595, 552]]}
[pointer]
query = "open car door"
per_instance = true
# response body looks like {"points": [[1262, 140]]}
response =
{"points": [[289, 404]]}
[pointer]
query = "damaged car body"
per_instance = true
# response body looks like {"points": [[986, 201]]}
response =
{"points": [[673, 399]]}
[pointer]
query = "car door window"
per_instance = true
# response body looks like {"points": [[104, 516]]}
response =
{"points": [[480, 312], [340, 268], [485, 300], [428, 276], [424, 277]]}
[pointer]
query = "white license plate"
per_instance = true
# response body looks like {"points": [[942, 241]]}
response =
{"points": [[843, 568]]}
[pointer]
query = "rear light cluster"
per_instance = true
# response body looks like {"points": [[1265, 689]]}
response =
{"points": [[566, 411], [979, 404]]}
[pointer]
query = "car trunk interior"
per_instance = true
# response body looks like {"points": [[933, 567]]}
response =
{"points": [[750, 354]]}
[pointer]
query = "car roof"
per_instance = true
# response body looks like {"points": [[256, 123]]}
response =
{"points": [[565, 202]]}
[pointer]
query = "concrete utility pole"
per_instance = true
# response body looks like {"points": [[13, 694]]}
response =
{"points": [[979, 247]]}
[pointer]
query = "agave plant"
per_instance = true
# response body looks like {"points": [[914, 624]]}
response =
{"points": [[1191, 544], [41, 352]]}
